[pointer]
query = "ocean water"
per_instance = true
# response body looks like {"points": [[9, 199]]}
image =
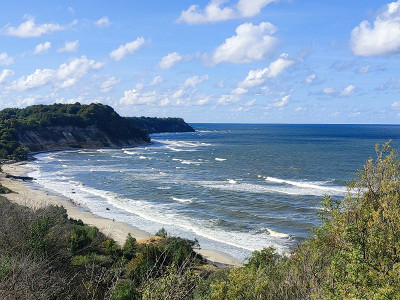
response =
{"points": [[234, 188]]}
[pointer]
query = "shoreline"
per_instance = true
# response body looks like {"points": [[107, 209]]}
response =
{"points": [[36, 198]]}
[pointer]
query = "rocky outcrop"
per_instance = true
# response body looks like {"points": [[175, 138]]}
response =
{"points": [[69, 137]]}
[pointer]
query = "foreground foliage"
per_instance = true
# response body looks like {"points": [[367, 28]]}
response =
{"points": [[354, 254], [45, 255]]}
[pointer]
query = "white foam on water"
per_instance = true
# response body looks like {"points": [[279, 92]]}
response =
{"points": [[182, 199], [163, 188], [181, 146], [232, 181], [189, 162], [261, 189], [130, 152], [332, 190], [220, 159], [277, 234]]}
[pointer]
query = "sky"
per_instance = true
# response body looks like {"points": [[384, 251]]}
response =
{"points": [[214, 61]]}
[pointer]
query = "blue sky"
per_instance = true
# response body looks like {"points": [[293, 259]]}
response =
{"points": [[240, 61]]}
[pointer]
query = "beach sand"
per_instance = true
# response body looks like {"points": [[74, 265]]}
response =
{"points": [[27, 195]]}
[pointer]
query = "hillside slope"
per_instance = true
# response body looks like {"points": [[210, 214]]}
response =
{"points": [[64, 126]]}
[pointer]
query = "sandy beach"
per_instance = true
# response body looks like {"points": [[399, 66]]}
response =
{"points": [[26, 194]]}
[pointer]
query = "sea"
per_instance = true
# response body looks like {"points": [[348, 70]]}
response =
{"points": [[236, 188]]}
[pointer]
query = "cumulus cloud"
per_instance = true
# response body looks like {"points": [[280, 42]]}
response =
{"points": [[195, 80], [103, 22], [239, 91], [69, 47], [395, 105], [280, 103], [43, 47], [215, 11], [228, 99], [135, 97], [107, 85], [348, 90], [252, 8], [4, 74], [65, 76], [170, 60], [30, 29], [258, 77], [310, 78], [128, 48], [5, 60], [363, 70], [328, 91], [380, 38], [250, 43], [156, 81]]}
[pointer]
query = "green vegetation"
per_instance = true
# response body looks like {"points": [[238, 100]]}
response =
{"points": [[354, 254], [45, 255], [14, 122], [154, 125]]}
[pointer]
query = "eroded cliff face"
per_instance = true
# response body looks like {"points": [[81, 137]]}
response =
{"points": [[69, 137]]}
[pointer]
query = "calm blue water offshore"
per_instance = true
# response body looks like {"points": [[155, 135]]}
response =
{"points": [[236, 188]]}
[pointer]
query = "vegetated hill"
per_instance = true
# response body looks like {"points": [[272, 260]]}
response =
{"points": [[64, 126], [158, 125]]}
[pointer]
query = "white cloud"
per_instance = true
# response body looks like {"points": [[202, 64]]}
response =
{"points": [[258, 77], [5, 60], [380, 38], [251, 43], [252, 8], [251, 103], [4, 74], [363, 70], [30, 29], [103, 22], [65, 76], [395, 105], [348, 90], [195, 80], [328, 91], [69, 47], [239, 91], [134, 97], [280, 103], [216, 12], [202, 101], [156, 81], [310, 78], [211, 14], [128, 48], [43, 47], [354, 114], [228, 99], [170, 60], [107, 85]]}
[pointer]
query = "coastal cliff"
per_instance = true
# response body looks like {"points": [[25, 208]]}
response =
{"points": [[68, 126], [159, 125], [68, 137]]}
